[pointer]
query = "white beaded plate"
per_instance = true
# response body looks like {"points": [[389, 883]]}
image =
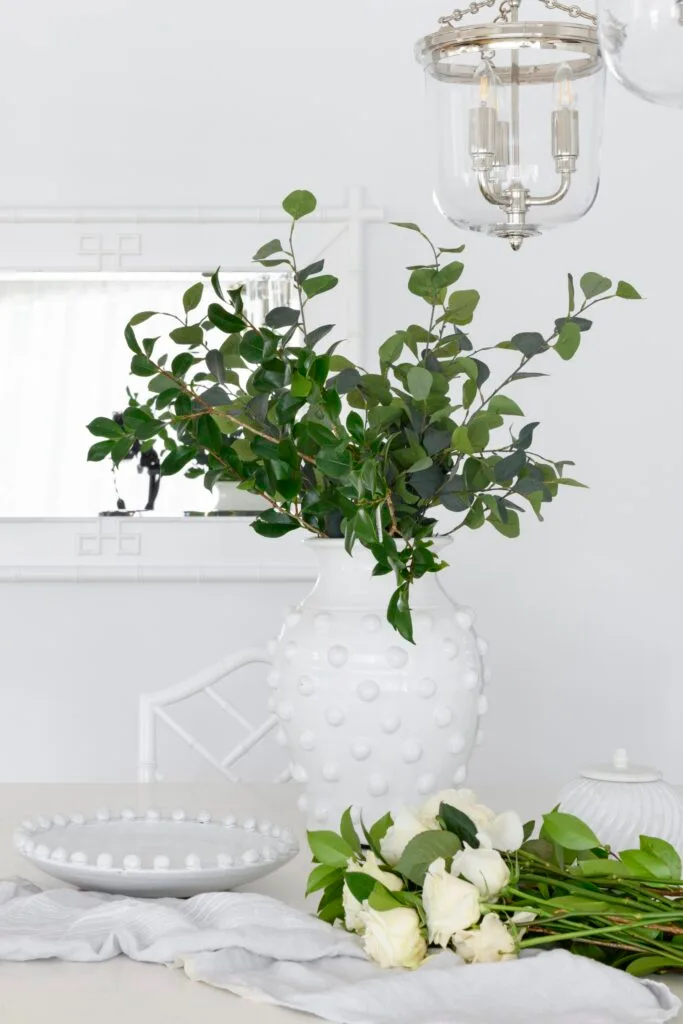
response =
{"points": [[155, 854]]}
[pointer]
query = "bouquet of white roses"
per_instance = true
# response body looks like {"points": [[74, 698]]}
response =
{"points": [[453, 874]]}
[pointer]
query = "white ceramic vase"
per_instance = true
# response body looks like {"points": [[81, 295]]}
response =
{"points": [[229, 498], [372, 721]]}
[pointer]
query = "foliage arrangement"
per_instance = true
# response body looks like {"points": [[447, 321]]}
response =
{"points": [[454, 875], [338, 450]]}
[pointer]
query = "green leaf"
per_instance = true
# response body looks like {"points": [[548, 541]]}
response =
{"points": [[458, 248], [461, 441], [187, 335], [99, 451], [317, 285], [509, 527], [529, 343], [334, 462], [572, 293], [583, 905], [214, 363], [643, 864], [329, 848], [269, 249], [382, 899], [390, 350], [459, 824], [569, 831], [299, 204], [272, 523], [645, 965], [602, 869], [103, 427], [423, 850], [627, 291], [569, 340], [317, 334], [193, 296], [664, 852], [332, 911], [406, 224], [504, 406], [509, 467], [398, 613], [594, 284], [376, 833], [301, 386], [348, 832], [140, 366], [223, 320], [252, 347], [419, 382], [309, 271], [422, 282], [322, 876], [448, 275], [360, 885], [179, 367], [121, 449], [282, 316], [176, 460], [140, 318], [461, 306]]}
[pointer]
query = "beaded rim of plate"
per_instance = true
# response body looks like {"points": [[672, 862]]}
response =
{"points": [[283, 845]]}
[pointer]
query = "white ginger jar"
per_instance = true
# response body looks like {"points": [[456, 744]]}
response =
{"points": [[622, 801], [372, 721]]}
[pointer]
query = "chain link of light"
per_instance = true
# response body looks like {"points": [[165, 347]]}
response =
{"points": [[573, 10]]}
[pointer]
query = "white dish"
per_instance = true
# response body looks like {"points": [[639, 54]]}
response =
{"points": [[155, 853]]}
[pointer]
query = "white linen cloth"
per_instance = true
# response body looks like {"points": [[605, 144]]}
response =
{"points": [[260, 948]]}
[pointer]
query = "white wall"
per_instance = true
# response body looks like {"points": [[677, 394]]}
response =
{"points": [[135, 102]]}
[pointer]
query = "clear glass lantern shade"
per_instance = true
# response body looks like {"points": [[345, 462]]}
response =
{"points": [[516, 117], [643, 45]]}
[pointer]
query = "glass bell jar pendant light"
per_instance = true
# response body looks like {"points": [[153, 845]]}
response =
{"points": [[516, 110], [643, 45]]}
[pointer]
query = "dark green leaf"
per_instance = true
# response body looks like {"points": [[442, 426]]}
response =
{"points": [[571, 291], [459, 824], [581, 322], [176, 460], [360, 885], [526, 435], [317, 334], [99, 451], [510, 466], [334, 462], [252, 347], [345, 381], [216, 365], [529, 343], [348, 832], [406, 224], [312, 268], [423, 850], [140, 318], [282, 316], [103, 427], [141, 366], [322, 876], [274, 524], [398, 613], [224, 320]]}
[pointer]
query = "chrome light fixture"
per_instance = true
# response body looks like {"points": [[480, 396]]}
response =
{"points": [[517, 112], [643, 45]]}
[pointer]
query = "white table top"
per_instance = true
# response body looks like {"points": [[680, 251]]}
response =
{"points": [[120, 989]]}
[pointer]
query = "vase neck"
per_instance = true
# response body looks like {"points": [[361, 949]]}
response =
{"points": [[345, 579]]}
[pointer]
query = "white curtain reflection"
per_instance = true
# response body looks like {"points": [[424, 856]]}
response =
{"points": [[64, 361]]}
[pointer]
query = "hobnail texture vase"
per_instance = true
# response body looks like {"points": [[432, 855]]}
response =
{"points": [[372, 721]]}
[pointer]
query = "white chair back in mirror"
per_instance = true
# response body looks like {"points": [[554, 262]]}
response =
{"points": [[156, 708]]}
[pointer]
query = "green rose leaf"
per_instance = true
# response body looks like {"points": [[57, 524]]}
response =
{"points": [[569, 831], [348, 832], [459, 824], [423, 850], [299, 203], [329, 848], [322, 876]]}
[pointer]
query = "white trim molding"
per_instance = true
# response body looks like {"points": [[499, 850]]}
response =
{"points": [[148, 549]]}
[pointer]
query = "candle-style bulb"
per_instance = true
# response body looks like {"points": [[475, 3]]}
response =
{"points": [[487, 84], [564, 88]]}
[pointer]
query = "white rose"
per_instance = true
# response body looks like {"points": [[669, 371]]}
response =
{"points": [[370, 866], [451, 904], [495, 831], [484, 868], [406, 826], [490, 942], [393, 937]]}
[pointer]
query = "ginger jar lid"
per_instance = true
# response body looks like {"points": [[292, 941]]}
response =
{"points": [[620, 770]]}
